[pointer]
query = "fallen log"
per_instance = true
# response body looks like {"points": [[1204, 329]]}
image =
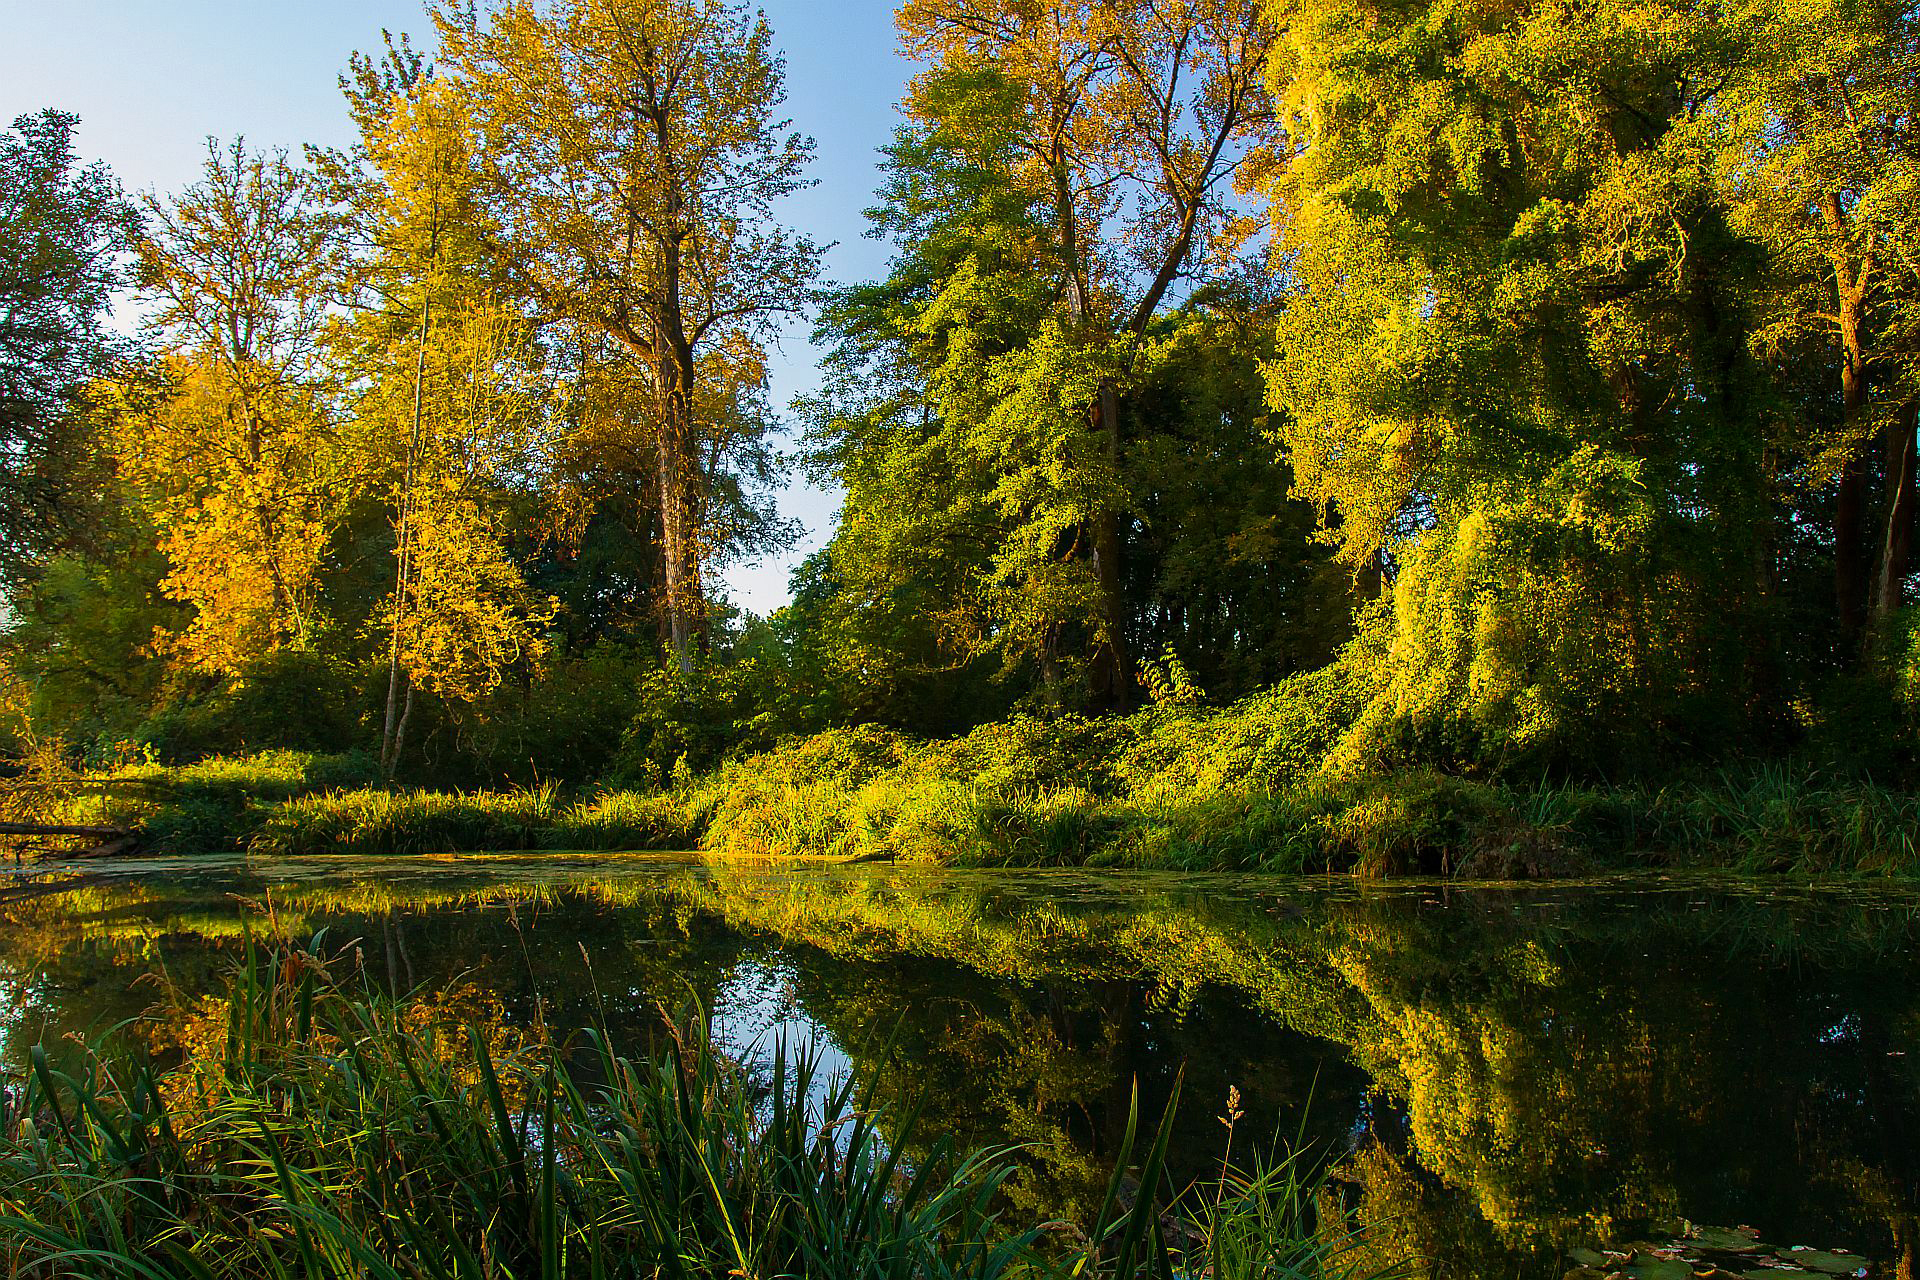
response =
{"points": [[108, 848], [62, 829]]}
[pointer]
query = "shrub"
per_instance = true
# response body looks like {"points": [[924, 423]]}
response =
{"points": [[291, 700]]}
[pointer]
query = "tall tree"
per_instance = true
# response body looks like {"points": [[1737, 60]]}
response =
{"points": [[1515, 368], [239, 458], [456, 403], [956, 417], [632, 158], [1823, 119], [1132, 122], [63, 227]]}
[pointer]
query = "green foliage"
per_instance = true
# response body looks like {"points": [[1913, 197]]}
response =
{"points": [[215, 805], [292, 699], [374, 822], [688, 723], [567, 721], [78, 642], [388, 822], [1239, 789], [63, 228], [1539, 409]]}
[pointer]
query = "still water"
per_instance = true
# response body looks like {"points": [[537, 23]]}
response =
{"points": [[1498, 1079]]}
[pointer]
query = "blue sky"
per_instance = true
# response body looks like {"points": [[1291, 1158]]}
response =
{"points": [[152, 79]]}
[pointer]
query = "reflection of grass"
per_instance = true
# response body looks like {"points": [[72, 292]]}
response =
{"points": [[315, 1132]]}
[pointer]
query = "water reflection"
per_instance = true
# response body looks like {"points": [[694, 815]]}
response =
{"points": [[1499, 1077]]}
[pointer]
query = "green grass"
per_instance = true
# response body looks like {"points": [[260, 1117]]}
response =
{"points": [[321, 1131], [1152, 801], [1182, 789]]}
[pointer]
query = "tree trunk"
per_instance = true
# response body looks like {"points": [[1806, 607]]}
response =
{"points": [[400, 730], [1851, 557], [1896, 550], [61, 829], [680, 559], [1109, 674], [403, 537]]}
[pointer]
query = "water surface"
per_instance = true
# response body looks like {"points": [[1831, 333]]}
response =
{"points": [[1497, 1077]]}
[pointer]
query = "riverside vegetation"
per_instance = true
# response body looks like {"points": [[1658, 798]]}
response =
{"points": [[1394, 436], [1289, 434], [1176, 791], [321, 1131]]}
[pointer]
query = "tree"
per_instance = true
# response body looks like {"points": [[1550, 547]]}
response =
{"points": [[457, 405], [238, 458], [1131, 122], [63, 229], [1823, 168], [956, 418], [630, 155], [1515, 374]]}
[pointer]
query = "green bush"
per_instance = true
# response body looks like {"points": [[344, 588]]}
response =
{"points": [[291, 700]]}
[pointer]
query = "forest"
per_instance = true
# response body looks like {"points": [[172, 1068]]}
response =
{"points": [[1417, 436], [1373, 610]]}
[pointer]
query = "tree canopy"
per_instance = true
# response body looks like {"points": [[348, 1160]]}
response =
{"points": [[1541, 379]]}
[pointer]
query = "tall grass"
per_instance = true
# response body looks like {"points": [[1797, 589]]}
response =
{"points": [[327, 1132], [1233, 789]]}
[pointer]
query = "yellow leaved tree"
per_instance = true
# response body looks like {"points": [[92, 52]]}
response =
{"points": [[236, 458], [455, 402]]}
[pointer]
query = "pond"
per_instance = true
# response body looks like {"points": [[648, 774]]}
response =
{"points": [[1499, 1079]]}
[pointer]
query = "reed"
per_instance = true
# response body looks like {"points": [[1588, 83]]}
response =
{"points": [[324, 1131]]}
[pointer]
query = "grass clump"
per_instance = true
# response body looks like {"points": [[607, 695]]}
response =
{"points": [[384, 823], [214, 805], [321, 1131], [377, 822]]}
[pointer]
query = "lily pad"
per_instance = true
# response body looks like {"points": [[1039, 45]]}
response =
{"points": [[1592, 1257], [1658, 1269], [1726, 1239], [1833, 1264]]}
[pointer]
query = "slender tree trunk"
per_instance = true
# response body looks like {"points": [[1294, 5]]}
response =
{"points": [[403, 552], [400, 730], [1110, 674], [681, 560], [1896, 550], [1851, 557], [674, 541]]}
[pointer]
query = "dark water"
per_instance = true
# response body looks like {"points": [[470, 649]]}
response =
{"points": [[1495, 1077]]}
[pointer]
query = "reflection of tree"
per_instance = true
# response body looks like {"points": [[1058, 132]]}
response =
{"points": [[1499, 1080], [1573, 1081]]}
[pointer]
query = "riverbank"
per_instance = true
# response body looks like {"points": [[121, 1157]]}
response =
{"points": [[1180, 793]]}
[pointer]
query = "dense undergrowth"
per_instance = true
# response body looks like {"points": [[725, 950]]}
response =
{"points": [[314, 1130], [1174, 786]]}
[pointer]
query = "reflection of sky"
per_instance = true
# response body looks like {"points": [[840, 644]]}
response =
{"points": [[755, 1012], [151, 81]]}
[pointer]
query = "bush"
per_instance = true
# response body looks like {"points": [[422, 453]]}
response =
{"points": [[291, 700]]}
